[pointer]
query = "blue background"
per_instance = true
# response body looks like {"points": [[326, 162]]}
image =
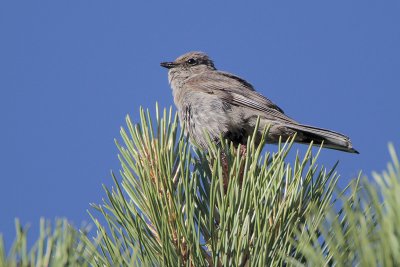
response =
{"points": [[71, 70]]}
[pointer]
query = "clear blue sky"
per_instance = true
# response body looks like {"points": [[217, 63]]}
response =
{"points": [[71, 70]]}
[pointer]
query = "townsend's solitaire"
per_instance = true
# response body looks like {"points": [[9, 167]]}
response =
{"points": [[222, 104]]}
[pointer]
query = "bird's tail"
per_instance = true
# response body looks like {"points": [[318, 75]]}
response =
{"points": [[330, 139]]}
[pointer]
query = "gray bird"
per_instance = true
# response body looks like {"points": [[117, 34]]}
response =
{"points": [[223, 104]]}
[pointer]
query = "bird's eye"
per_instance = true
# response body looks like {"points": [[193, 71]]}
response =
{"points": [[191, 61]]}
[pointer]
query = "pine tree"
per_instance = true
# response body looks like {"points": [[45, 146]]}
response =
{"points": [[171, 207]]}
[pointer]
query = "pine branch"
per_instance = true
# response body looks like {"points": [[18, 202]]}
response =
{"points": [[174, 205], [175, 209]]}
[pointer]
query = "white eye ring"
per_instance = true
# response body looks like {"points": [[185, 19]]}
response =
{"points": [[191, 61]]}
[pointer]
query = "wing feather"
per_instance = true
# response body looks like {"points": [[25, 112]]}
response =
{"points": [[236, 91]]}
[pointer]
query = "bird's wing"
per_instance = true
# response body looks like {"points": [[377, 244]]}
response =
{"points": [[241, 85], [236, 91]]}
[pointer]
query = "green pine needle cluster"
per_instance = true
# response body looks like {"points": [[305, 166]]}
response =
{"points": [[366, 230], [174, 205], [60, 246]]}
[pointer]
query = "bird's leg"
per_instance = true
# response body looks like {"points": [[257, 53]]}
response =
{"points": [[242, 153], [225, 170], [243, 150], [225, 167]]}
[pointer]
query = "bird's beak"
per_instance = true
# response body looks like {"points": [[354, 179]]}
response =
{"points": [[168, 65]]}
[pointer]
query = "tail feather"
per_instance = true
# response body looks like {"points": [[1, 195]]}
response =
{"points": [[330, 139]]}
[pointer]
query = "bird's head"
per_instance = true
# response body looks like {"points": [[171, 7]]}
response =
{"points": [[189, 64]]}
